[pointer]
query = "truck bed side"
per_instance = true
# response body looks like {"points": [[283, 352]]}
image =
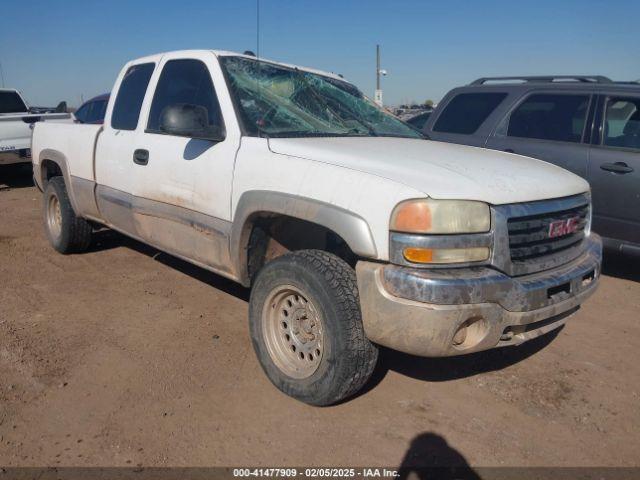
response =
{"points": [[70, 151], [70, 146]]}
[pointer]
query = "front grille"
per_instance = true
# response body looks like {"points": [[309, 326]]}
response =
{"points": [[529, 236]]}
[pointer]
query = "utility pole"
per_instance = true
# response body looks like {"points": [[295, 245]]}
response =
{"points": [[378, 95]]}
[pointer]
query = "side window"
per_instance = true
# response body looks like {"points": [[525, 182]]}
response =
{"points": [[622, 123], [185, 81], [126, 109], [81, 113], [466, 112], [550, 117]]}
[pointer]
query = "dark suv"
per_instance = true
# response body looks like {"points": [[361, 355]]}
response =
{"points": [[587, 124]]}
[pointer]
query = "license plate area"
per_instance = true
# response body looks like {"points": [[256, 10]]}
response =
{"points": [[559, 291]]}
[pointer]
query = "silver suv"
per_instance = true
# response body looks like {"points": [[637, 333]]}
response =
{"points": [[589, 125]]}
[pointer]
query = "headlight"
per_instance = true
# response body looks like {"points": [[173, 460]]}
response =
{"points": [[441, 216]]}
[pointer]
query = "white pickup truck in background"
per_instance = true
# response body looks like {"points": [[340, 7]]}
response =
{"points": [[16, 123], [350, 227]]}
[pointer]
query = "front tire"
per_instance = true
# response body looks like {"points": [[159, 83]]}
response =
{"points": [[306, 327], [66, 232]]}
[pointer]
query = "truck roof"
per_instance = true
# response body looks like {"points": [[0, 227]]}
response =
{"points": [[224, 53]]}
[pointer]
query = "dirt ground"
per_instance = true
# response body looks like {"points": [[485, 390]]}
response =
{"points": [[126, 356]]}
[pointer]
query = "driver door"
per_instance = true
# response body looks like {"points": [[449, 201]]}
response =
{"points": [[183, 187]]}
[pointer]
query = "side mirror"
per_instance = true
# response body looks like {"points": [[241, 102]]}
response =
{"points": [[187, 120]]}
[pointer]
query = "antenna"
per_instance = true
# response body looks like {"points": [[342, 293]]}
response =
{"points": [[377, 67], [2, 74], [258, 27]]}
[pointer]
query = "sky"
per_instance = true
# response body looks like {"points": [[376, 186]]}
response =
{"points": [[53, 50]]}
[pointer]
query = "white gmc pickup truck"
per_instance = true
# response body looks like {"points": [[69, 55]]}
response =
{"points": [[351, 228]]}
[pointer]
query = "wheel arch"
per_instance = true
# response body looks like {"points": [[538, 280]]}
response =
{"points": [[54, 163], [254, 206]]}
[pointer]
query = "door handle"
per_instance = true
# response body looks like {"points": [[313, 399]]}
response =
{"points": [[618, 167], [141, 156], [509, 150]]}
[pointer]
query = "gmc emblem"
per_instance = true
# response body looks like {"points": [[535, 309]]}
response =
{"points": [[560, 228]]}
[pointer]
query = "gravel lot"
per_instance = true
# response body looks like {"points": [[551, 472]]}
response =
{"points": [[126, 356]]}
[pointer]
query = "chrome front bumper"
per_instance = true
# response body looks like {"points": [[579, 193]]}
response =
{"points": [[448, 312]]}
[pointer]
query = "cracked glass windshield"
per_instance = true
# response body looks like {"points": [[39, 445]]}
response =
{"points": [[277, 101]]}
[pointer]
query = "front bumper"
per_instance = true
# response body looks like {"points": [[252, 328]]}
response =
{"points": [[435, 313]]}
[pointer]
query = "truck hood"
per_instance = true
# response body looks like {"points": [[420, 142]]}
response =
{"points": [[441, 170]]}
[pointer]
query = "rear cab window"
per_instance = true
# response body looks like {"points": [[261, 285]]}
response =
{"points": [[466, 112], [126, 109], [10, 102], [548, 116]]}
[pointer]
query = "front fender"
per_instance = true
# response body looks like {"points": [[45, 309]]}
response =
{"points": [[351, 227]]}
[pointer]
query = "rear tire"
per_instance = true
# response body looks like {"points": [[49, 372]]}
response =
{"points": [[306, 327], [66, 232]]}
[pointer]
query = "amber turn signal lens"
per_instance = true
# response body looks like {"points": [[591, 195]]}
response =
{"points": [[418, 255], [445, 255]]}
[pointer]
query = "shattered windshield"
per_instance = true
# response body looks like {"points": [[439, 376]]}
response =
{"points": [[277, 101]]}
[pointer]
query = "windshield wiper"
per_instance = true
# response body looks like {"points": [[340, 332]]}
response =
{"points": [[395, 135]]}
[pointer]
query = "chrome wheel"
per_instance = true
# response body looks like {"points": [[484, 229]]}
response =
{"points": [[54, 216], [292, 329]]}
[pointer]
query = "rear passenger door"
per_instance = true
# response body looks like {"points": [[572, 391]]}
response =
{"points": [[465, 117], [114, 167], [614, 168], [550, 126]]}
